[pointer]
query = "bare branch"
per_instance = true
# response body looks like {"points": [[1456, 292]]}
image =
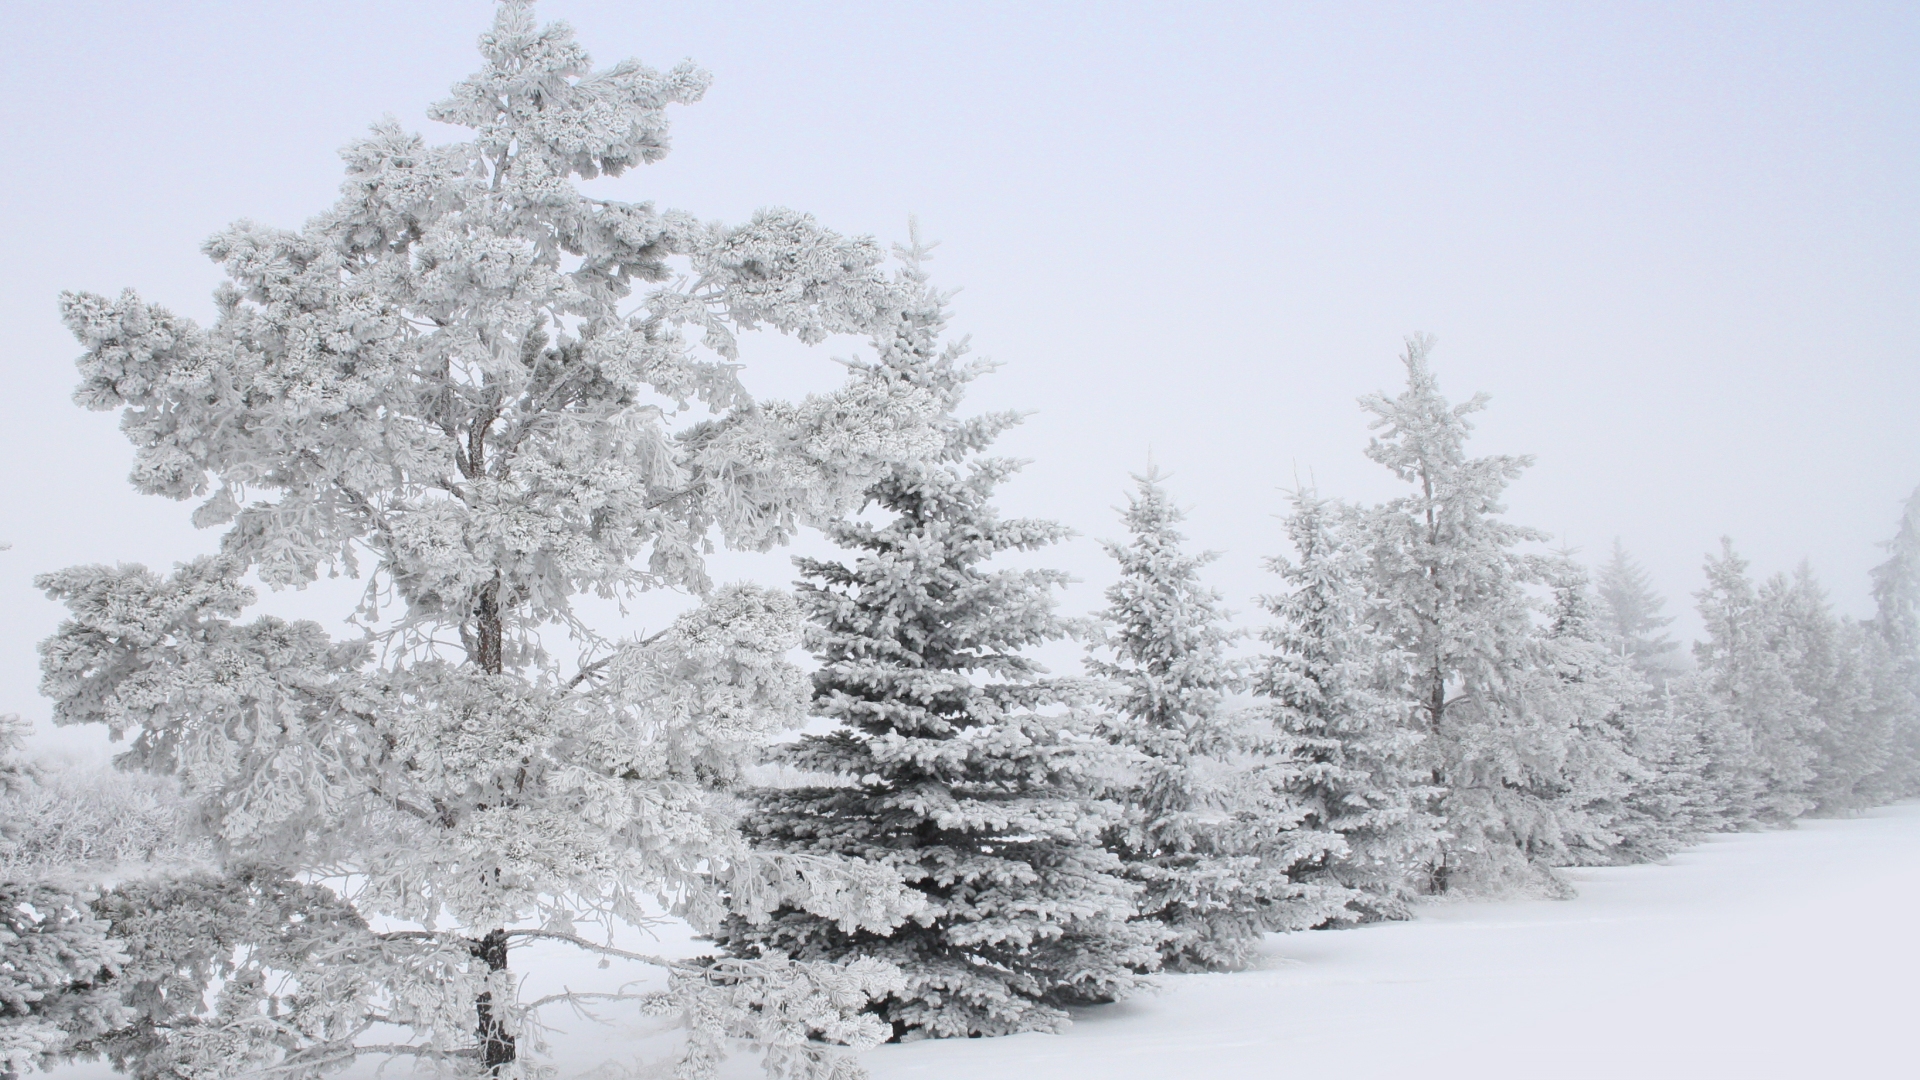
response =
{"points": [[604, 950]]}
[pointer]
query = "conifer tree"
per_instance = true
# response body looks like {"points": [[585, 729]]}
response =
{"points": [[1895, 654], [1828, 663], [56, 961], [957, 763], [16, 773], [1896, 583], [1629, 618], [1212, 833], [1745, 669], [1339, 692], [54, 951], [483, 390], [1449, 587], [1605, 700]]}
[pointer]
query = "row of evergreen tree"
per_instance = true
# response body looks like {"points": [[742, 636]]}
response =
{"points": [[1436, 707], [485, 392]]}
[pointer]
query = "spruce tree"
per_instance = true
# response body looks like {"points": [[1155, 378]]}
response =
{"points": [[1828, 663], [1339, 694], [1630, 620], [57, 966], [1745, 671], [1212, 833], [1896, 583], [1895, 655], [1605, 701], [957, 763], [1449, 586]]}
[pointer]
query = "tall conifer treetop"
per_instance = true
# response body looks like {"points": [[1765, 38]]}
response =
{"points": [[1896, 582], [1629, 619], [1452, 580]]}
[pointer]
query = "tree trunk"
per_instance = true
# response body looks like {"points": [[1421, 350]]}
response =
{"points": [[496, 1044], [489, 633]]}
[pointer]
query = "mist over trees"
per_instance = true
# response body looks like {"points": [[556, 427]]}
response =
{"points": [[487, 395]]}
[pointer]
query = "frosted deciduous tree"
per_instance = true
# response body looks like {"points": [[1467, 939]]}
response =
{"points": [[1339, 694], [1449, 587], [486, 393], [957, 763], [1219, 845]]}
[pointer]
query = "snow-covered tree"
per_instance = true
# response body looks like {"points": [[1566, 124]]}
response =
{"points": [[1745, 669], [1896, 583], [1219, 845], [956, 763], [487, 393], [16, 773], [1449, 586], [56, 961], [1607, 701], [1894, 658], [1826, 657], [1630, 620], [1339, 691]]}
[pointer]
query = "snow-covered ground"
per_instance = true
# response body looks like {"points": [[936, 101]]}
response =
{"points": [[1780, 954]]}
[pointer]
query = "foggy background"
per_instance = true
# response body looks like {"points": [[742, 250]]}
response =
{"points": [[1676, 243]]}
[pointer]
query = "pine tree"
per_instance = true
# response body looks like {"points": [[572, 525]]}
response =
{"points": [[1894, 659], [957, 764], [1212, 834], [53, 951], [1896, 583], [1629, 618], [1746, 674], [1606, 701], [16, 773], [478, 387], [1676, 794], [1449, 588], [1829, 666], [56, 963], [1339, 694]]}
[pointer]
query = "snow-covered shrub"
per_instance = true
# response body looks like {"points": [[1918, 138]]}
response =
{"points": [[96, 818]]}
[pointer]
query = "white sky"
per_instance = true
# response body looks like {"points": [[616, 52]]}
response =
{"points": [[1676, 242]]}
